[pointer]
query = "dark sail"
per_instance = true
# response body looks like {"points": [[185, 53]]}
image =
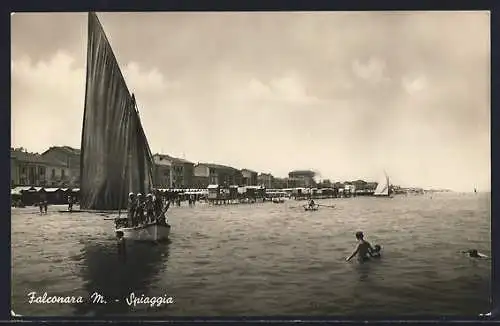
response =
{"points": [[141, 166], [115, 155]]}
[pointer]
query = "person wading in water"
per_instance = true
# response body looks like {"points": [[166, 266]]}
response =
{"points": [[363, 249], [312, 204], [473, 253]]}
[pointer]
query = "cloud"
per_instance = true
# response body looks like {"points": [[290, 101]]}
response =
{"points": [[372, 71], [414, 85], [57, 75], [48, 98], [147, 82], [346, 93], [286, 89]]}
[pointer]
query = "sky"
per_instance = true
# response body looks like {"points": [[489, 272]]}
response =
{"points": [[345, 94]]}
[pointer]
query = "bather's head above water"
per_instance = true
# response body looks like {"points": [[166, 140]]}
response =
{"points": [[473, 253], [359, 235]]}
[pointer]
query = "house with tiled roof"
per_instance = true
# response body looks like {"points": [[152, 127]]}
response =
{"points": [[172, 172], [302, 178], [68, 156], [266, 180], [249, 177], [33, 169], [212, 173]]}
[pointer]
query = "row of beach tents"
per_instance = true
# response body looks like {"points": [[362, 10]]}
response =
{"points": [[30, 195], [27, 196]]}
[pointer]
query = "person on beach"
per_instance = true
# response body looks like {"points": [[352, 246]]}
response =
{"points": [[43, 203], [70, 203], [40, 206], [363, 249]]}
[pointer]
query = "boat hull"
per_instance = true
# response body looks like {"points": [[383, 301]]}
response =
{"points": [[148, 232], [307, 208]]}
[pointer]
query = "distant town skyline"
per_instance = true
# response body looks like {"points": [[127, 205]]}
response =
{"points": [[346, 94]]}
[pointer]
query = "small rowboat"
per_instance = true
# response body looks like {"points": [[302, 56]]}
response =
{"points": [[309, 208]]}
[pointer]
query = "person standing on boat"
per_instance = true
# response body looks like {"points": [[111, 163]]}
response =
{"points": [[150, 208], [158, 203], [160, 216], [139, 209], [131, 208]]}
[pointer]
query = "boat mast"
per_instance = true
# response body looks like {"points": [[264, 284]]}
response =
{"points": [[89, 29], [141, 130], [388, 185], [124, 172]]}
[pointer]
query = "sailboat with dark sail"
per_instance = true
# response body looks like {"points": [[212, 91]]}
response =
{"points": [[115, 154]]}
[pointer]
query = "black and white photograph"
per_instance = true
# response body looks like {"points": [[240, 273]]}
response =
{"points": [[280, 163]]}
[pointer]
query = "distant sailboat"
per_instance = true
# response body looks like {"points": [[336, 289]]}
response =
{"points": [[383, 188]]}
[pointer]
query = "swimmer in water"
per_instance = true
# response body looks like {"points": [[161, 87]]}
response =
{"points": [[363, 250], [473, 253]]}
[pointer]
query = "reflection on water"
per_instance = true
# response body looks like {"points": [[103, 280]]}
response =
{"points": [[116, 270], [265, 259]]}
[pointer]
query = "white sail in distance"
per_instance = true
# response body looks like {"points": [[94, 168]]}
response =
{"points": [[382, 187]]}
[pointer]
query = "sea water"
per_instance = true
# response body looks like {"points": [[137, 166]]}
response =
{"points": [[261, 259]]}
